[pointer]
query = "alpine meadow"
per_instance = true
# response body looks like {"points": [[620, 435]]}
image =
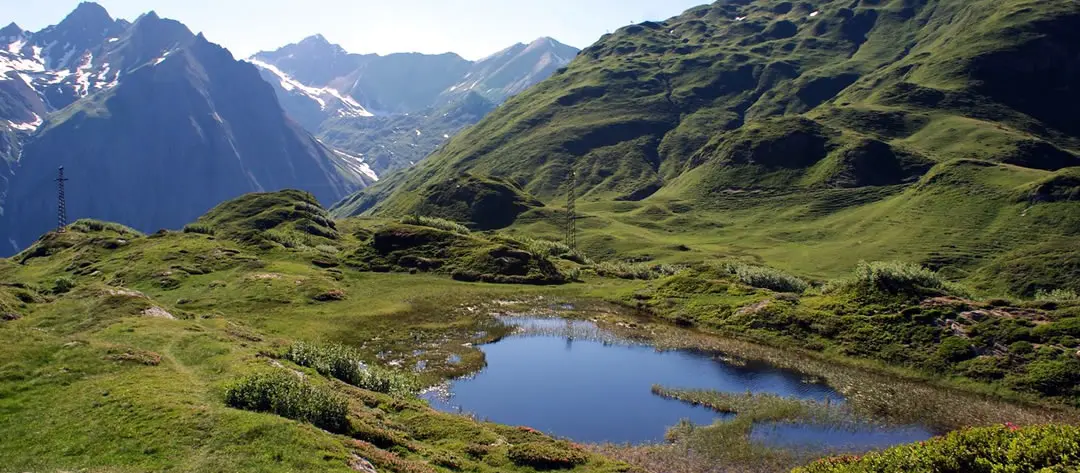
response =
{"points": [[820, 236]]}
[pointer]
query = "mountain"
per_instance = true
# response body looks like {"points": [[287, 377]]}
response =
{"points": [[513, 70], [162, 126], [937, 130], [392, 142], [335, 94]]}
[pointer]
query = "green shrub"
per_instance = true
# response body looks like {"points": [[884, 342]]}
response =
{"points": [[63, 285], [954, 350], [346, 364], [328, 249], [546, 248], [1049, 377], [546, 456], [767, 278], [439, 223], [623, 270], [285, 239], [200, 228], [573, 274], [1069, 327], [87, 225], [895, 278], [1057, 295], [1051, 448], [289, 396]]}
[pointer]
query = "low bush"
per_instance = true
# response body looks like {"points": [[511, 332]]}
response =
{"points": [[546, 456], [622, 270], [87, 225], [1051, 448], [439, 223], [767, 278], [896, 277], [893, 278], [1057, 295], [557, 249], [346, 364], [285, 239], [289, 396], [200, 228], [63, 285]]}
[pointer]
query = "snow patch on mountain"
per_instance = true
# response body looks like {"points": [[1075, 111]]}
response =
{"points": [[349, 108], [357, 164], [82, 75], [27, 126]]}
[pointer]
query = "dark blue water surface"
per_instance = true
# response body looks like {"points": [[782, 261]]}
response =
{"points": [[596, 391]]}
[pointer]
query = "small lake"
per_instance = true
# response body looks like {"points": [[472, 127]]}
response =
{"points": [[573, 380]]}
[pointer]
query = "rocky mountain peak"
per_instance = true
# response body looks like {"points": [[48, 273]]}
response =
{"points": [[87, 16], [11, 31]]}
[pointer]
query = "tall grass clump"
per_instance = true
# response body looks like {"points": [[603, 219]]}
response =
{"points": [[432, 222], [285, 239], [200, 228], [1057, 295], [645, 271], [87, 225], [767, 278], [289, 396], [895, 278], [346, 364], [551, 248]]}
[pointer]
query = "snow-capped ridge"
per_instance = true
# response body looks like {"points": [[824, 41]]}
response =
{"points": [[350, 108]]}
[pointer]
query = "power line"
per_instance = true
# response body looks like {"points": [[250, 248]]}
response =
{"points": [[571, 212], [61, 210]]}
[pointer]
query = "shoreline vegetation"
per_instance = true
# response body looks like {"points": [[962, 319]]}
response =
{"points": [[319, 324]]}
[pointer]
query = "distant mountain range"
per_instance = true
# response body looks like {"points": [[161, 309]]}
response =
{"points": [[154, 124], [396, 109]]}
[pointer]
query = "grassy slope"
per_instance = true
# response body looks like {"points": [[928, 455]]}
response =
{"points": [[90, 380], [80, 341], [681, 117]]}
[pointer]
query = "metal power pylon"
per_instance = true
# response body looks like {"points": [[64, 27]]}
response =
{"points": [[61, 210]]}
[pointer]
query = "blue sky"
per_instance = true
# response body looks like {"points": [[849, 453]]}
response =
{"points": [[472, 28]]}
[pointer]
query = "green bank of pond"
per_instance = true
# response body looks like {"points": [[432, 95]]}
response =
{"points": [[606, 378]]}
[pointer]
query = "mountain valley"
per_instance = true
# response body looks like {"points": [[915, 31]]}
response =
{"points": [[829, 236]]}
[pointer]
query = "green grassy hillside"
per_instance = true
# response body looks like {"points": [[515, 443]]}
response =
{"points": [[808, 136], [236, 344], [129, 352]]}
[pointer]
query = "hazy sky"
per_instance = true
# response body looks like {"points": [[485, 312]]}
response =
{"points": [[472, 28]]}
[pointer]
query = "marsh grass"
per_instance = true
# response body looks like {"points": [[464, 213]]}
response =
{"points": [[290, 396], [347, 364], [433, 222], [764, 407], [889, 395]]}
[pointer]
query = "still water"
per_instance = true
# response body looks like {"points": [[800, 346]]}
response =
{"points": [[572, 380]]}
